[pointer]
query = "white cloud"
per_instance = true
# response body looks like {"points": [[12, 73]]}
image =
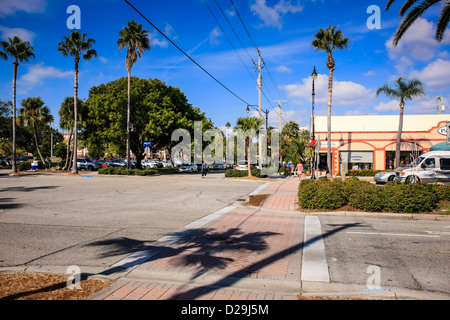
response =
{"points": [[284, 69], [38, 73], [10, 7], [369, 73], [435, 76], [345, 93], [418, 43], [23, 34], [272, 16], [156, 41], [214, 36]]}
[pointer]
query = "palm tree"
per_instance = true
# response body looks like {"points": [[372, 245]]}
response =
{"points": [[245, 124], [403, 90], [66, 120], [329, 40], [36, 115], [416, 12], [21, 51], [137, 41], [76, 46]]}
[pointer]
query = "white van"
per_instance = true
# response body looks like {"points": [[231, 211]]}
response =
{"points": [[430, 167]]}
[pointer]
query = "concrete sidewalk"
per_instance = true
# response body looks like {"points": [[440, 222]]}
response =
{"points": [[241, 253]]}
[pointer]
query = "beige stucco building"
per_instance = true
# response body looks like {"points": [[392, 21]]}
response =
{"points": [[369, 141]]}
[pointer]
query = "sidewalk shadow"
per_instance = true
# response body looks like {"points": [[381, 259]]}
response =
{"points": [[198, 248], [235, 277]]}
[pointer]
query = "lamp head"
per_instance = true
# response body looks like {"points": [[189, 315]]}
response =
{"points": [[314, 74]]}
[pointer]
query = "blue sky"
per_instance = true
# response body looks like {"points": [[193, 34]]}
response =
{"points": [[281, 29]]}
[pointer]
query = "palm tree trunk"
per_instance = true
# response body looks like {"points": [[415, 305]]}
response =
{"points": [[75, 112], [330, 65], [69, 141], [37, 143], [399, 135], [248, 161], [14, 165], [128, 119]]}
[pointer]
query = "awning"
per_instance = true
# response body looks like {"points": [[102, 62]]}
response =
{"points": [[441, 146]]}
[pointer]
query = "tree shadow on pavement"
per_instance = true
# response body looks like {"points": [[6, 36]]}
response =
{"points": [[201, 249]]}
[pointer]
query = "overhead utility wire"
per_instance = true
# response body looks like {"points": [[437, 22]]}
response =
{"points": [[228, 21], [254, 44], [185, 53], [223, 31]]}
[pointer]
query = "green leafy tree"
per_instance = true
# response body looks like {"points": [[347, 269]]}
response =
{"points": [[35, 115], [417, 9], [156, 110], [329, 40], [248, 123], [137, 41], [402, 90], [77, 46], [20, 51]]}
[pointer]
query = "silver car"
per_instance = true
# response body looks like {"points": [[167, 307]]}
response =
{"points": [[383, 177]]}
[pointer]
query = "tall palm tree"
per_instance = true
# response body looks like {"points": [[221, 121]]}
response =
{"points": [[329, 40], [402, 90], [416, 12], [137, 41], [36, 115], [245, 124], [66, 120], [76, 46], [21, 51]]}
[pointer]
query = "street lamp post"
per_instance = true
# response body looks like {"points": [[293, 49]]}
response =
{"points": [[313, 137]]}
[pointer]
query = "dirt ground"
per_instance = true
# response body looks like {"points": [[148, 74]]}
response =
{"points": [[25, 286]]}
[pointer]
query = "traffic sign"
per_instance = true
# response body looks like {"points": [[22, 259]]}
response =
{"points": [[147, 144]]}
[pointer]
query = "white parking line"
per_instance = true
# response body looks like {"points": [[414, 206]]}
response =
{"points": [[394, 234], [314, 262]]}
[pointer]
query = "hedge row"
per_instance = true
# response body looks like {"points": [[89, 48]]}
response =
{"points": [[233, 173], [362, 173], [128, 172], [363, 195]]}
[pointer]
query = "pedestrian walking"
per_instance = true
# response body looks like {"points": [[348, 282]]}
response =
{"points": [[204, 169], [299, 169]]}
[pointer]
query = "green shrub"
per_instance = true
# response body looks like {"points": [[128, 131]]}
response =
{"points": [[233, 173], [366, 197], [409, 197], [321, 194], [125, 171], [23, 166], [363, 195], [442, 192]]}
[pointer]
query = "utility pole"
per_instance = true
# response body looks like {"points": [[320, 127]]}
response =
{"points": [[260, 82], [279, 106]]}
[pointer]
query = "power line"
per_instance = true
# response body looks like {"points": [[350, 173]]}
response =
{"points": [[195, 62], [256, 47], [223, 31]]}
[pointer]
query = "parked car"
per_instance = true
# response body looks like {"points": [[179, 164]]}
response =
{"points": [[102, 163], [433, 166], [219, 166], [3, 162], [383, 177], [243, 165], [150, 164], [166, 164], [24, 159], [188, 168], [118, 163], [86, 164]]}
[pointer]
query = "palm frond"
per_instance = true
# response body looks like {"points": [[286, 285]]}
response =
{"points": [[388, 4], [411, 17], [443, 22], [406, 6]]}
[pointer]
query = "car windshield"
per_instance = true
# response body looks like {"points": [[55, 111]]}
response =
{"points": [[417, 162]]}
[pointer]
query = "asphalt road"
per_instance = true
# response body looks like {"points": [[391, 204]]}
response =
{"points": [[411, 254], [98, 220]]}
